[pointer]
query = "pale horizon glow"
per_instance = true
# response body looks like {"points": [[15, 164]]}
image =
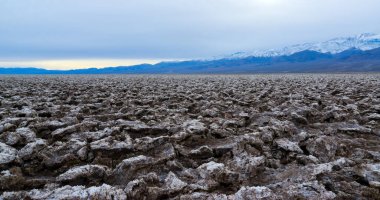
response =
{"points": [[77, 63], [96, 33]]}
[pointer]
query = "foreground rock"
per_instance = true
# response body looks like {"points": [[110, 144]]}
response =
{"points": [[8, 154], [70, 192]]}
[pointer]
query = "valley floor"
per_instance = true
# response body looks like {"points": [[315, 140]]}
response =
{"points": [[273, 136]]}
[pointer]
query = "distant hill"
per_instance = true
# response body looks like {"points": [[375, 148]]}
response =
{"points": [[351, 60]]}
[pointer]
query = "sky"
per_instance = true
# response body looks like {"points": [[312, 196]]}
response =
{"points": [[67, 34]]}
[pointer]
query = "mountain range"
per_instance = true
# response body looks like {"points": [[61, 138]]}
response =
{"points": [[365, 41], [351, 54]]}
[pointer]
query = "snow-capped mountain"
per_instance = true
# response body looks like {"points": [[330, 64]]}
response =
{"points": [[351, 54], [366, 41]]}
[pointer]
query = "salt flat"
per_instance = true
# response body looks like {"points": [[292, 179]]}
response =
{"points": [[268, 136]]}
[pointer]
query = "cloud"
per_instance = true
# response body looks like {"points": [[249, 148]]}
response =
{"points": [[167, 29]]}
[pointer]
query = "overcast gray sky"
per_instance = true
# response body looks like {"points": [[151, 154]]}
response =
{"points": [[60, 32]]}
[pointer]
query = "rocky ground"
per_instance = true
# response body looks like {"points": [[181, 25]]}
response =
{"points": [[190, 137]]}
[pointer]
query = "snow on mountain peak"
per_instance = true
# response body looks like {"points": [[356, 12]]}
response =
{"points": [[365, 41]]}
